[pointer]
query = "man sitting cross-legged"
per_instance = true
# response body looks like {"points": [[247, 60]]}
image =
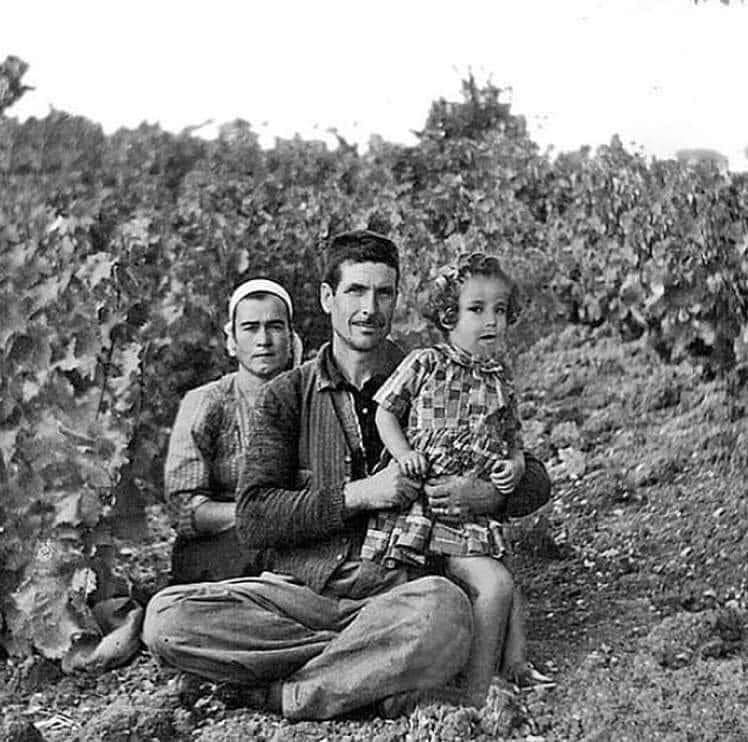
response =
{"points": [[321, 632]]}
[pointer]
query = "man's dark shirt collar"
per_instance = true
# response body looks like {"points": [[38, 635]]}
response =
{"points": [[330, 375]]}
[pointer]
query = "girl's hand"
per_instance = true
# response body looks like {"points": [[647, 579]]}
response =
{"points": [[414, 464], [506, 473]]}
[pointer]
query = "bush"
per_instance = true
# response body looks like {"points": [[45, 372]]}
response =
{"points": [[119, 252]]}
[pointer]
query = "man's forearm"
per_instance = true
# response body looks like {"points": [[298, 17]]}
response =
{"points": [[355, 497], [533, 490], [274, 507], [273, 517]]}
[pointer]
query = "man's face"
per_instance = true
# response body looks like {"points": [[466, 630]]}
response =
{"points": [[262, 335], [361, 307]]}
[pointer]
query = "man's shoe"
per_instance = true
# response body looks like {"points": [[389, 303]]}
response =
{"points": [[400, 704], [191, 688], [261, 698]]}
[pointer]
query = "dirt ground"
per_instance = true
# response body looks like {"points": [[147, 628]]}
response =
{"points": [[635, 576]]}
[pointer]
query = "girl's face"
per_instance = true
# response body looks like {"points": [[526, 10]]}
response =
{"points": [[481, 317]]}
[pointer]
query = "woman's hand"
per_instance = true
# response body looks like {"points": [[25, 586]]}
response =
{"points": [[461, 496]]}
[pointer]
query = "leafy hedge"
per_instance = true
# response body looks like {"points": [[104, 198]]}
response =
{"points": [[117, 254]]}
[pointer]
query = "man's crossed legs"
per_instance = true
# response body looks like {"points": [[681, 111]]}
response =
{"points": [[333, 655]]}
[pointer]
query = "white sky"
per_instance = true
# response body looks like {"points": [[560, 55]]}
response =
{"points": [[665, 74]]}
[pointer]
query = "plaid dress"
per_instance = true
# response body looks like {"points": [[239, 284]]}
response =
{"points": [[460, 412]]}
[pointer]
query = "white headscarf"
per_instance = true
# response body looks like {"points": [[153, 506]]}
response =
{"points": [[261, 286]]}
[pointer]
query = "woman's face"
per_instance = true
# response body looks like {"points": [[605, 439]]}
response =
{"points": [[262, 335]]}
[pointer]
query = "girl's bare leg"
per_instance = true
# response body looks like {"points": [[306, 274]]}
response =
{"points": [[490, 587], [515, 665], [514, 656]]}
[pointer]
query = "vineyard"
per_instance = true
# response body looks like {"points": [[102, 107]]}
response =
{"points": [[117, 253]]}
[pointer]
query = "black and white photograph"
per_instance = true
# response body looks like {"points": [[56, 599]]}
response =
{"points": [[373, 371]]}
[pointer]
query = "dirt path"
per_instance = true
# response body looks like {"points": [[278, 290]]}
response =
{"points": [[635, 575]]}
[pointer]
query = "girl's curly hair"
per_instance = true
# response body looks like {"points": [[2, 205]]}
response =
{"points": [[442, 305]]}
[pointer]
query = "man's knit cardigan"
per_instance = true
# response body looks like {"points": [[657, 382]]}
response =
{"points": [[290, 499]]}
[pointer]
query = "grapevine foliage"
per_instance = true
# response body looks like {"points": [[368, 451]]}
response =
{"points": [[118, 253], [12, 71]]}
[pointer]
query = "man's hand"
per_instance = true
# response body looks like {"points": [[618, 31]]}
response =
{"points": [[414, 464], [389, 488], [212, 516], [506, 473], [462, 496]]}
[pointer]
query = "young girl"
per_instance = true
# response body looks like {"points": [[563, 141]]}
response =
{"points": [[458, 405]]}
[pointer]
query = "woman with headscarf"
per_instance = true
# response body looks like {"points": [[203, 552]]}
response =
{"points": [[206, 451], [207, 443]]}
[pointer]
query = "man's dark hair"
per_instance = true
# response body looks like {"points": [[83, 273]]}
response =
{"points": [[358, 246]]}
